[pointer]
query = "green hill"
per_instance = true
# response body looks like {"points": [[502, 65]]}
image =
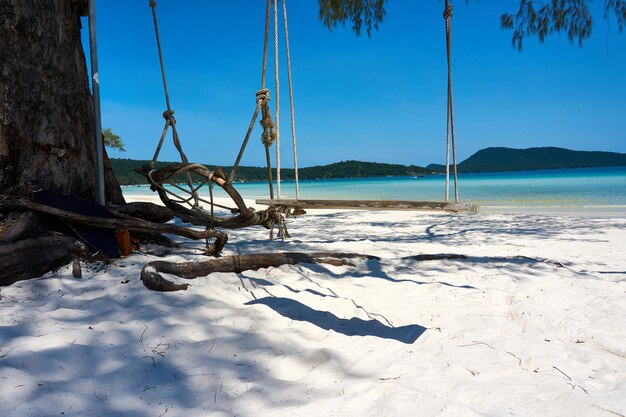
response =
{"points": [[124, 171], [508, 159]]}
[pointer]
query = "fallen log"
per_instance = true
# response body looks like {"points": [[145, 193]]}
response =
{"points": [[152, 278], [130, 224], [31, 258]]}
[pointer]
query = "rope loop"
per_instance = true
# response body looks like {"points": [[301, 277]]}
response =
{"points": [[447, 12], [169, 115], [263, 97]]}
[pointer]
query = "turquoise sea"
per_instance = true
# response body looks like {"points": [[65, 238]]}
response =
{"points": [[582, 191]]}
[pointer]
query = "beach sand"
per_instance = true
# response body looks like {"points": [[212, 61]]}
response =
{"points": [[530, 322]]}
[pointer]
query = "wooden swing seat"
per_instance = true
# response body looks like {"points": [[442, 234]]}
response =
{"points": [[449, 207]]}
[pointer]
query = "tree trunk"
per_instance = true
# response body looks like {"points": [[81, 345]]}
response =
{"points": [[46, 114], [46, 129]]}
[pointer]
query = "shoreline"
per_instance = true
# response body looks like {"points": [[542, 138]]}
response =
{"points": [[614, 212], [584, 192]]}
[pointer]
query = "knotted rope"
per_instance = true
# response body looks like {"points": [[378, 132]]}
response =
{"points": [[262, 99], [243, 216], [168, 114], [270, 134]]}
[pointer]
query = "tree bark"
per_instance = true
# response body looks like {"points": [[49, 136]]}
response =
{"points": [[145, 211], [46, 115], [21, 225], [46, 128]]}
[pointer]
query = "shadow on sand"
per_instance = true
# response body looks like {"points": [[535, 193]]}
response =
{"points": [[295, 310]]}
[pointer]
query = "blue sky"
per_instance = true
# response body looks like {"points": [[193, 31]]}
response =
{"points": [[377, 99]]}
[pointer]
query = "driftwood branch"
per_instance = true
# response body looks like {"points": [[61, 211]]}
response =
{"points": [[144, 210], [244, 217], [152, 279], [31, 258], [114, 224]]}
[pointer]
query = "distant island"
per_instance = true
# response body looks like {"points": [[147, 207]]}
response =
{"points": [[495, 159], [500, 159], [124, 171]]}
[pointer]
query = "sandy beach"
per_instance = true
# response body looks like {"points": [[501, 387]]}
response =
{"points": [[512, 315]]}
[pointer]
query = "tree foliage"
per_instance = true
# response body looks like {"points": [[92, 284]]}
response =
{"points": [[112, 140], [543, 18], [360, 12], [126, 175], [539, 18], [500, 159]]}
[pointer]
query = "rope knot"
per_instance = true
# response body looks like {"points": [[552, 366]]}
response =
{"points": [[269, 134], [262, 96], [152, 3], [169, 115], [447, 13]]}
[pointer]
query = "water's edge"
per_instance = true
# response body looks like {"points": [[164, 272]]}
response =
{"points": [[584, 191]]}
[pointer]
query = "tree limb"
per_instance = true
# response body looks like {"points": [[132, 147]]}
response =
{"points": [[152, 279], [132, 225]]}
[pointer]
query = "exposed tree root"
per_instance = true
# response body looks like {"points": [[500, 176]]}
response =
{"points": [[31, 258], [20, 225], [152, 279], [127, 223]]}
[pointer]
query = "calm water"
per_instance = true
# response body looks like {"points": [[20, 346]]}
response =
{"points": [[600, 191]]}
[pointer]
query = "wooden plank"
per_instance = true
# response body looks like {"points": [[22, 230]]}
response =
{"points": [[372, 205]]}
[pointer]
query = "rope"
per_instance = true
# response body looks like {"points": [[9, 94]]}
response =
{"points": [[233, 172], [247, 217], [266, 43], [262, 100], [293, 123], [168, 115], [447, 15], [153, 5], [269, 133], [277, 112]]}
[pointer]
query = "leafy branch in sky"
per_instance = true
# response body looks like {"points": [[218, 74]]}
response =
{"points": [[360, 12], [533, 17], [113, 141], [536, 18]]}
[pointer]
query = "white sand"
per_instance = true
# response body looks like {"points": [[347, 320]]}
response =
{"points": [[497, 334]]}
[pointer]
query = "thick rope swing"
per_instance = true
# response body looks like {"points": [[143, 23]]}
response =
{"points": [[186, 206], [446, 205], [277, 92], [186, 202]]}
